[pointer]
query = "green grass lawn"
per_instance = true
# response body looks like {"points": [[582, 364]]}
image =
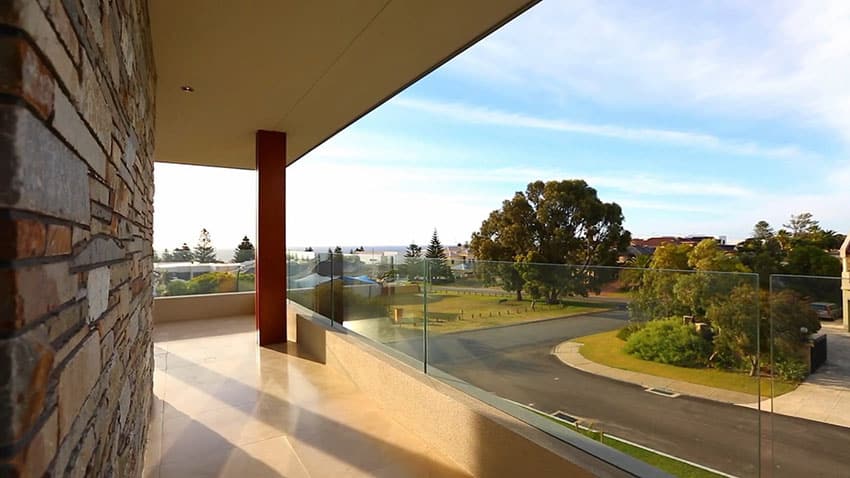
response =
{"points": [[607, 349], [670, 465], [451, 311]]}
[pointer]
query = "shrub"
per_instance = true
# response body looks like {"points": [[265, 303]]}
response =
{"points": [[791, 368], [726, 359], [213, 282], [177, 287], [627, 331], [671, 342]]}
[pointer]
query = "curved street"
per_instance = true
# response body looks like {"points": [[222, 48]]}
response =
{"points": [[515, 362]]}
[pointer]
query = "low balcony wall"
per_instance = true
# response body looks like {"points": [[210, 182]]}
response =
{"points": [[206, 306], [459, 422]]}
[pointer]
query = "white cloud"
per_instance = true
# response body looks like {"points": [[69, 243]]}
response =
{"points": [[331, 201], [355, 145], [784, 60], [480, 115], [659, 186], [334, 203], [672, 206], [424, 179]]}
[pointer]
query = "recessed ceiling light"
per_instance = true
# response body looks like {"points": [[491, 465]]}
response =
{"points": [[187, 89]]}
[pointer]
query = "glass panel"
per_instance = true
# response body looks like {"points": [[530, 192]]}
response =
{"points": [[309, 280], [664, 365], [383, 300], [192, 278], [809, 430]]}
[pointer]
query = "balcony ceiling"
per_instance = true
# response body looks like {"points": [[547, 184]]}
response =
{"points": [[309, 68]]}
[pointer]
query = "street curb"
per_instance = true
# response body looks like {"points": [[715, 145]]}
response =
{"points": [[568, 347], [628, 442]]}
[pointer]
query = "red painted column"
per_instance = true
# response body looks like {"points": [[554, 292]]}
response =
{"points": [[270, 279]]}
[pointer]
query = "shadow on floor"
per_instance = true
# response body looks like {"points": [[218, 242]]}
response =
{"points": [[359, 450]]}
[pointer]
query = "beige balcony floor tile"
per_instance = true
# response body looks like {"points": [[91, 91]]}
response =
{"points": [[226, 407], [267, 458]]}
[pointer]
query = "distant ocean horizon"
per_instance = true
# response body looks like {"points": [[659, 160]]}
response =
{"points": [[348, 248]]}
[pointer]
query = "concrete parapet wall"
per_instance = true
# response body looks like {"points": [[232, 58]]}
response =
{"points": [[207, 306]]}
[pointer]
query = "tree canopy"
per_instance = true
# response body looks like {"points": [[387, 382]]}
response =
{"points": [[801, 249], [244, 251], [438, 265], [671, 257], [182, 254], [685, 280], [555, 222], [413, 261], [204, 251], [751, 323], [812, 260], [762, 231], [801, 224]]}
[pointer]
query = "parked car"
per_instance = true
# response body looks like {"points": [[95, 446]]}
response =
{"points": [[826, 310]]}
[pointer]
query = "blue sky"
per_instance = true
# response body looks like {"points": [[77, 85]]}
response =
{"points": [[696, 117]]}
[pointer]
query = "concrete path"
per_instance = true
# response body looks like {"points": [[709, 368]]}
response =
{"points": [[825, 395], [568, 353]]}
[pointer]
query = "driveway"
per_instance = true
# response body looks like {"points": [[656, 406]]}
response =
{"points": [[825, 395]]}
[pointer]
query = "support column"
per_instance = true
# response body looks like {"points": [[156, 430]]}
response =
{"points": [[270, 279]]}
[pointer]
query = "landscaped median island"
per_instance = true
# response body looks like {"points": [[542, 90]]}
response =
{"points": [[609, 350]]}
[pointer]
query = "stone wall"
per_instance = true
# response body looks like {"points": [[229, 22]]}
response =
{"points": [[76, 190]]}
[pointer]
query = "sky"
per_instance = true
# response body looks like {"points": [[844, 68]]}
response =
{"points": [[697, 118]]}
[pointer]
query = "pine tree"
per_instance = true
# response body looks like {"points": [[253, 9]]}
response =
{"points": [[244, 251], [413, 261], [204, 251], [182, 254], [762, 231], [438, 263]]}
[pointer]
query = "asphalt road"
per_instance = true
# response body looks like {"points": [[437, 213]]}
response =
{"points": [[515, 362]]}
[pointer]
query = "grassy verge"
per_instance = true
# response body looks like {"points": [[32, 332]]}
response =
{"points": [[607, 349], [452, 312], [670, 465]]}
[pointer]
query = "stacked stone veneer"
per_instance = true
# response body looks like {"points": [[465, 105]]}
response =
{"points": [[76, 189]]}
